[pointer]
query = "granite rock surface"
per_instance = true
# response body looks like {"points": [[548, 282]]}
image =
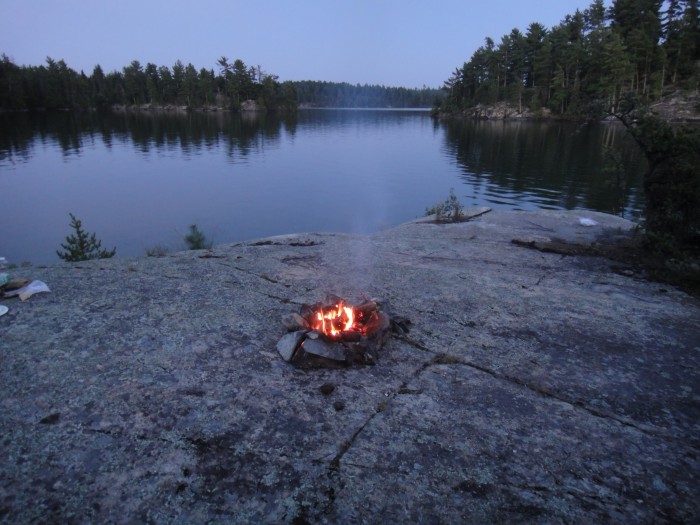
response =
{"points": [[532, 388]]}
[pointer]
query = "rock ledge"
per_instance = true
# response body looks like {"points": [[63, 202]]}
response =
{"points": [[532, 388]]}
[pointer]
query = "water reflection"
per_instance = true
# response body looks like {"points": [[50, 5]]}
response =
{"points": [[528, 165], [190, 133], [140, 179]]}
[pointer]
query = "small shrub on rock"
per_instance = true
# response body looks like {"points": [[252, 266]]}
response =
{"points": [[83, 246], [196, 240], [450, 210]]}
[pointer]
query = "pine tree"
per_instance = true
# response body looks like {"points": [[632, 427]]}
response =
{"points": [[196, 240], [83, 246], [638, 22]]}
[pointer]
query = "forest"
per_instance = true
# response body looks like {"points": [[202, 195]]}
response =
{"points": [[648, 48], [56, 86]]}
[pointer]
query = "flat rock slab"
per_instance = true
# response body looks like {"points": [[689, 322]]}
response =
{"points": [[532, 388]]}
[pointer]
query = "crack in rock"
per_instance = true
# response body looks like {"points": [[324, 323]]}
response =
{"points": [[449, 359], [333, 470]]}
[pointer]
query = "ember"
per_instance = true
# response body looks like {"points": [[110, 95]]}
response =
{"points": [[335, 332]]}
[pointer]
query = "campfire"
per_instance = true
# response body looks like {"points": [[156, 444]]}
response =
{"points": [[337, 333]]}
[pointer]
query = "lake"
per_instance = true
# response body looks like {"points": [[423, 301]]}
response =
{"points": [[138, 180]]}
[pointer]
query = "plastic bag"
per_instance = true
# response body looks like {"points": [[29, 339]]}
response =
{"points": [[27, 291]]}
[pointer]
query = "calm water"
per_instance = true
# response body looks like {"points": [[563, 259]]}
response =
{"points": [[140, 180]]}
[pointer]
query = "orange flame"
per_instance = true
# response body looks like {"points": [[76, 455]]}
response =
{"points": [[332, 322]]}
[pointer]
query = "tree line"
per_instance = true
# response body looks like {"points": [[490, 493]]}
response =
{"points": [[345, 95], [57, 86], [645, 47]]}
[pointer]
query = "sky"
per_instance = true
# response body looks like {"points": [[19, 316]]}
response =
{"points": [[389, 42]]}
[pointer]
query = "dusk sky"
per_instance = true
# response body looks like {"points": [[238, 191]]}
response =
{"points": [[390, 42]]}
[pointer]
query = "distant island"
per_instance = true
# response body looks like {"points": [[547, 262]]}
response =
{"points": [[236, 87], [591, 60]]}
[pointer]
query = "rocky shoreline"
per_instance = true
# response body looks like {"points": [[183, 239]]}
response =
{"points": [[246, 106], [532, 387], [677, 107]]}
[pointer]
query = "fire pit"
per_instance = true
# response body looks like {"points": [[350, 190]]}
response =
{"points": [[337, 333]]}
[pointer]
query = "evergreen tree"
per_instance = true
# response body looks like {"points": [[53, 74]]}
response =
{"points": [[168, 90], [83, 246], [638, 22], [537, 55], [153, 84], [135, 83], [688, 62], [189, 86], [12, 92], [98, 89], [206, 86], [177, 84], [517, 67], [196, 240]]}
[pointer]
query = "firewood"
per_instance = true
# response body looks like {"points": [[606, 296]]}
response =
{"points": [[365, 309]]}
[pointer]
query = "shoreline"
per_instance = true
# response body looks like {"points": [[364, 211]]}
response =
{"points": [[676, 108]]}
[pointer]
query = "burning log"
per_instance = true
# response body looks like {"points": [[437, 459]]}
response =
{"points": [[366, 308], [334, 333]]}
